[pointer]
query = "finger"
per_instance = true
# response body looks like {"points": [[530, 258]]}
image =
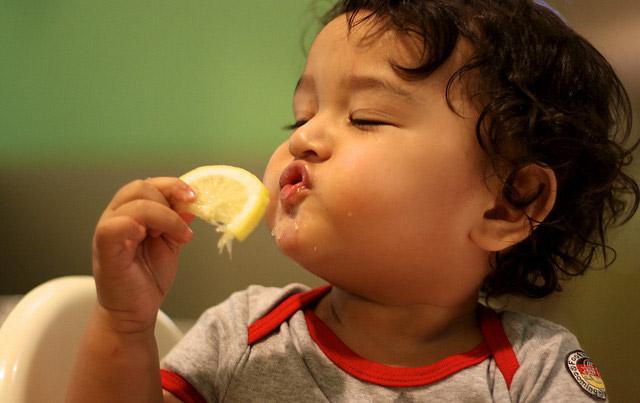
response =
{"points": [[157, 219], [186, 217], [163, 190], [173, 189], [137, 190], [117, 238]]}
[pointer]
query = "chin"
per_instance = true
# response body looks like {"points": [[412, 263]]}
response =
{"points": [[288, 245], [305, 254], [288, 239]]}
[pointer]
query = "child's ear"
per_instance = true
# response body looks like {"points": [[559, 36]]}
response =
{"points": [[507, 222]]}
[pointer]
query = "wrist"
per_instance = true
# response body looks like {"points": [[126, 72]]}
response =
{"points": [[123, 325], [115, 363]]}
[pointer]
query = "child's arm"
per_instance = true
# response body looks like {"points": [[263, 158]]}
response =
{"points": [[135, 251]]}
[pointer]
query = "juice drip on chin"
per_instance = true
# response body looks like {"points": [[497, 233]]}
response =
{"points": [[275, 235]]}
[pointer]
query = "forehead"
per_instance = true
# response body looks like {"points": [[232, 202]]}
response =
{"points": [[372, 48], [366, 46]]}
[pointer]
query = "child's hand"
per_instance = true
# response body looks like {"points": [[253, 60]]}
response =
{"points": [[135, 251]]}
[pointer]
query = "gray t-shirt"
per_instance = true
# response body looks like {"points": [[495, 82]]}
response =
{"points": [[262, 345]]}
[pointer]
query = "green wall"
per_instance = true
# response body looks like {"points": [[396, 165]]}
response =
{"points": [[103, 81]]}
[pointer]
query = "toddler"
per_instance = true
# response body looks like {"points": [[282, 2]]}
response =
{"points": [[444, 152]]}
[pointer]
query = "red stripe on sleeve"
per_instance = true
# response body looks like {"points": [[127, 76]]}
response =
{"points": [[499, 344], [174, 383]]}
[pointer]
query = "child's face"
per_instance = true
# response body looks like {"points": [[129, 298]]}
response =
{"points": [[385, 208]]}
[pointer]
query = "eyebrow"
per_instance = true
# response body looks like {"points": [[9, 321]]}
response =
{"points": [[360, 83]]}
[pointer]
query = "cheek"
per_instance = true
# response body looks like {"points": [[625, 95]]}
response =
{"points": [[279, 160], [383, 185], [356, 185], [405, 195]]}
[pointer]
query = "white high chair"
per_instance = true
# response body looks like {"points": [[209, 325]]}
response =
{"points": [[39, 337]]}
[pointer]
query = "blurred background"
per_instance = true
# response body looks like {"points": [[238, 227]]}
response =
{"points": [[95, 94]]}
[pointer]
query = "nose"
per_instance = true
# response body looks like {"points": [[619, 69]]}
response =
{"points": [[311, 142]]}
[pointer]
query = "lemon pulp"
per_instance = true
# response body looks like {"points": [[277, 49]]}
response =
{"points": [[230, 198]]}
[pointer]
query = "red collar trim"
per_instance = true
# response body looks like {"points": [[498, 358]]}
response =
{"points": [[495, 344], [264, 326], [385, 375]]}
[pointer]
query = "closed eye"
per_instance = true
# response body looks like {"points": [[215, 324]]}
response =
{"points": [[295, 125], [364, 124]]}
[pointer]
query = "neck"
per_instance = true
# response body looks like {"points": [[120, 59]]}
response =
{"points": [[407, 335]]}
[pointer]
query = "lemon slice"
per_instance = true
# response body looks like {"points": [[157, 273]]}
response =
{"points": [[230, 198]]}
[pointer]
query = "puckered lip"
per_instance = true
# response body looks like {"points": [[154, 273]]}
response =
{"points": [[294, 185], [295, 173]]}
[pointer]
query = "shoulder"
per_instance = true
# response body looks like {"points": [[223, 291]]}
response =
{"points": [[248, 305], [226, 323], [527, 332], [262, 300], [538, 343], [244, 307], [544, 350]]}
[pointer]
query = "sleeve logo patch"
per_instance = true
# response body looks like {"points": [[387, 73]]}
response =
{"points": [[586, 374]]}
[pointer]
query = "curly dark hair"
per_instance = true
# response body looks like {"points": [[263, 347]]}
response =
{"points": [[548, 98]]}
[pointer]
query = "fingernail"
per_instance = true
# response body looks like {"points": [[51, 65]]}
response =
{"points": [[188, 234], [191, 194]]}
